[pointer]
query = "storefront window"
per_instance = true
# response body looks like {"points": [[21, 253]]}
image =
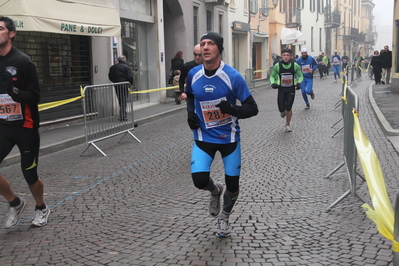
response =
{"points": [[134, 48], [63, 64]]}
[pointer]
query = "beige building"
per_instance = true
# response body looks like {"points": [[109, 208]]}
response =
{"points": [[348, 39]]}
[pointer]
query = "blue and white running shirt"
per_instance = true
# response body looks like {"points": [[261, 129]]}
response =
{"points": [[226, 84]]}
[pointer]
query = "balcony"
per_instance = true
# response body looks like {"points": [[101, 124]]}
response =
{"points": [[332, 20], [293, 17], [350, 33]]}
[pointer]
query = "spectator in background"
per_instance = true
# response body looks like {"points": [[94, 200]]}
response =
{"points": [[377, 66], [187, 67], [177, 63], [386, 63], [119, 73]]}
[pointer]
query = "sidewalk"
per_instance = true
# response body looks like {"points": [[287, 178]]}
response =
{"points": [[64, 135], [386, 109], [384, 104]]}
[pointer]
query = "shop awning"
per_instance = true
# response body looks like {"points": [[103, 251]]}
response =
{"points": [[80, 17], [261, 34]]}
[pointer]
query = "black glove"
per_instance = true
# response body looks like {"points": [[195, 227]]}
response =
{"points": [[298, 86], [226, 108], [193, 120], [7, 82], [274, 86]]}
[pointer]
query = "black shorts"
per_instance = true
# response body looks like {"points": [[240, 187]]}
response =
{"points": [[285, 98], [28, 143]]}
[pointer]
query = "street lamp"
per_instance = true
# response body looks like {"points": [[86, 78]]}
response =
{"points": [[264, 10]]}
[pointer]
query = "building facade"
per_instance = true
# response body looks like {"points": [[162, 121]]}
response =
{"points": [[79, 50]]}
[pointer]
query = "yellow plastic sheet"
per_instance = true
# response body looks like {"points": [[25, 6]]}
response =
{"points": [[382, 215]]}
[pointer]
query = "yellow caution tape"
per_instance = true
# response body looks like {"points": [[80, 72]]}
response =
{"points": [[260, 70], [344, 96], [382, 215], [160, 89], [45, 106]]}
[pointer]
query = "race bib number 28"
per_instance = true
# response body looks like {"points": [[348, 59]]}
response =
{"points": [[212, 115], [9, 110]]}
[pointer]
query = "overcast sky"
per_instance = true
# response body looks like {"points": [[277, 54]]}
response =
{"points": [[383, 20]]}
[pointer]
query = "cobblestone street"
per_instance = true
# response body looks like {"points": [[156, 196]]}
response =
{"points": [[138, 206]]}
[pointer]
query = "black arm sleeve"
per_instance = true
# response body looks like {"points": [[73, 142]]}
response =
{"points": [[247, 109], [190, 102], [30, 94]]}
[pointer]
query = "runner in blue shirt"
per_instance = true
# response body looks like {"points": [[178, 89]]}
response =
{"points": [[212, 91], [336, 62], [308, 65]]}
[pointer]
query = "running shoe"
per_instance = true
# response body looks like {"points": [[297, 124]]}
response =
{"points": [[335, 81], [214, 203], [14, 214], [312, 95], [287, 128], [223, 227], [307, 106], [282, 114], [40, 218]]}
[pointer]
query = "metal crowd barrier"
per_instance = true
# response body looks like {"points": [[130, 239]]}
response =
{"points": [[108, 112], [250, 79], [350, 102], [345, 75]]}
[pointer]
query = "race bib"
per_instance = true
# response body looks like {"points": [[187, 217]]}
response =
{"points": [[306, 69], [9, 110], [287, 80], [212, 115]]}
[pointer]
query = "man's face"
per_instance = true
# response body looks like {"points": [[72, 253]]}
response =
{"points": [[197, 55], [5, 35], [304, 54], [386, 47], [286, 57], [209, 50]]}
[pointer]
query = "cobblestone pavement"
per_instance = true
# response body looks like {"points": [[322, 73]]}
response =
{"points": [[138, 205]]}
